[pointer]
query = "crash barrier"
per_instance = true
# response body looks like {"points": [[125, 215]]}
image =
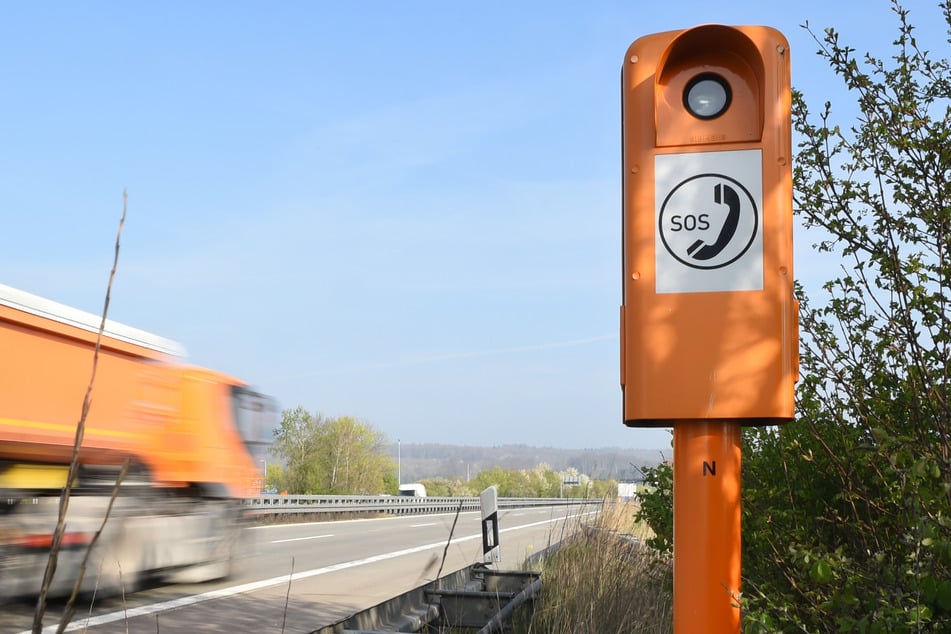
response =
{"points": [[393, 505]]}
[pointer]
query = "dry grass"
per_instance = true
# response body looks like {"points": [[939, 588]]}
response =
{"points": [[605, 581]]}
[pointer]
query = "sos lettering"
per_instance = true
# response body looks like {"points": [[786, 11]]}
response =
{"points": [[690, 222]]}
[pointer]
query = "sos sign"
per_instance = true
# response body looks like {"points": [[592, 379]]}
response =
{"points": [[708, 222], [708, 321]]}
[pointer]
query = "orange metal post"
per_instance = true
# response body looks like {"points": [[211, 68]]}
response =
{"points": [[706, 527]]}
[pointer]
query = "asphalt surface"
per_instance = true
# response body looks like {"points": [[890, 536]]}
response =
{"points": [[299, 577]]}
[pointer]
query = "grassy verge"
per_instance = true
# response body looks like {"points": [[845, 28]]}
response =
{"points": [[605, 581]]}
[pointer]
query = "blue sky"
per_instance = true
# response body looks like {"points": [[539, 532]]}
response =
{"points": [[407, 212]]}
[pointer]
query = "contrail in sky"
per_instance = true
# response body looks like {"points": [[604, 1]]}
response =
{"points": [[489, 352], [460, 355]]}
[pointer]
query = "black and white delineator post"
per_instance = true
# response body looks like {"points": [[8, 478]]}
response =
{"points": [[489, 501]]}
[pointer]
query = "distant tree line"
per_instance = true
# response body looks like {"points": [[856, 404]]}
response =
{"points": [[540, 482], [427, 460], [344, 456]]}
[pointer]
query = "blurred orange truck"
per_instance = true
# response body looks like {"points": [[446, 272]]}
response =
{"points": [[194, 440]]}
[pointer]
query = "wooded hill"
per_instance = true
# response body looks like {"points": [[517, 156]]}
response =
{"points": [[419, 461]]}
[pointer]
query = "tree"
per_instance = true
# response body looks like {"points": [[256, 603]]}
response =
{"points": [[545, 482], [504, 480], [540, 482], [441, 487], [352, 458], [338, 456], [273, 476], [295, 442], [847, 511]]}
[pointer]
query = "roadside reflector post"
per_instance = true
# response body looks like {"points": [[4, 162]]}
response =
{"points": [[709, 323], [491, 548]]}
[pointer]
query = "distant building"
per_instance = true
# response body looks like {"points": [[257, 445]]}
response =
{"points": [[627, 490]]}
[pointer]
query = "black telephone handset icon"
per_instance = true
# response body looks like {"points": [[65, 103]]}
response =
{"points": [[721, 194]]}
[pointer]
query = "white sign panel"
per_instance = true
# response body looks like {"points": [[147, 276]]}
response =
{"points": [[709, 221]]}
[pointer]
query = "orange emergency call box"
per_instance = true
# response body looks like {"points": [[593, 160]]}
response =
{"points": [[709, 324]]}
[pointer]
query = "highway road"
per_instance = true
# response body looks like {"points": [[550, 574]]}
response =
{"points": [[322, 572]]}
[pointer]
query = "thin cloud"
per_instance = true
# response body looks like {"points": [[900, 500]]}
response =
{"points": [[457, 356], [491, 352]]}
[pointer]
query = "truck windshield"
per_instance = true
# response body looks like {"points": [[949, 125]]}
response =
{"points": [[255, 415]]}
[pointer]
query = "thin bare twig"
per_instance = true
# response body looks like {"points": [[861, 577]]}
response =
{"points": [[452, 531], [71, 604], [77, 443], [287, 597]]}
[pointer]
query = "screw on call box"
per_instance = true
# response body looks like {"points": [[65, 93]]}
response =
{"points": [[709, 324]]}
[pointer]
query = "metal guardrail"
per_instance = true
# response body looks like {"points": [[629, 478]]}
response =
{"points": [[394, 505]]}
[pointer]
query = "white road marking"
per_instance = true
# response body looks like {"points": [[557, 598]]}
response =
{"points": [[421, 525], [299, 539], [164, 606]]}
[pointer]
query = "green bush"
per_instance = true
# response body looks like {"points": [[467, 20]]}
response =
{"points": [[847, 511]]}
